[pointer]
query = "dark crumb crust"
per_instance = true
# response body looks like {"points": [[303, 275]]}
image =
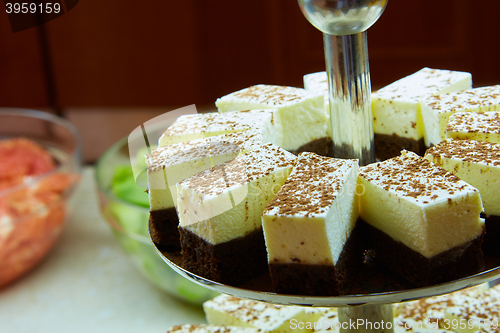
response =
{"points": [[389, 146], [453, 264], [233, 262], [323, 147], [491, 243], [321, 280], [164, 230]]}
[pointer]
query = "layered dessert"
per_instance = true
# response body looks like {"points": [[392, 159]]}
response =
{"points": [[207, 328], [482, 126], [424, 222], [202, 125], [170, 164], [220, 214], [228, 310], [436, 110], [396, 109], [302, 114], [477, 163], [308, 228]]}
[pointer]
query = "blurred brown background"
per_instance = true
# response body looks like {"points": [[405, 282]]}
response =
{"points": [[110, 65]]}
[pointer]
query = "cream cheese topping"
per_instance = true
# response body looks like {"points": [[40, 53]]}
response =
{"points": [[481, 311], [227, 201], [419, 204], [476, 162], [436, 110], [229, 310], [170, 164], [396, 107], [201, 125], [483, 126], [295, 106], [207, 328], [314, 213]]}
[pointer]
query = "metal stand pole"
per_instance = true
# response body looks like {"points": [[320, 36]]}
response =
{"points": [[367, 319], [350, 90]]}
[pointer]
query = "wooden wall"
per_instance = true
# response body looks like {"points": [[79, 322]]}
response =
{"points": [[134, 59]]}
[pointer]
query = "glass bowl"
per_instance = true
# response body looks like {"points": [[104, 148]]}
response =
{"points": [[34, 204], [125, 207]]}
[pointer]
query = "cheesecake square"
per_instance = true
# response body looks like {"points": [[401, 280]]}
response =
{"points": [[397, 121], [436, 110], [477, 163], [167, 165], [220, 214], [308, 228], [423, 222], [481, 126], [295, 106], [272, 318], [202, 125]]}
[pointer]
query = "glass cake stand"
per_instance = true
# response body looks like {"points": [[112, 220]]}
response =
{"points": [[362, 308]]}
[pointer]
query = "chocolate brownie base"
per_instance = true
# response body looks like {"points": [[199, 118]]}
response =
{"points": [[323, 147], [320, 280], [233, 262], [389, 146], [164, 230], [491, 243], [455, 263]]}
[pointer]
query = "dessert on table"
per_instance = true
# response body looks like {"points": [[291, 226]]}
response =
{"points": [[422, 221], [396, 109], [212, 175], [481, 126], [477, 163], [436, 110], [302, 114], [168, 165], [220, 214], [308, 228]]}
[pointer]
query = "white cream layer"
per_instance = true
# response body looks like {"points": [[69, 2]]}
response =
{"points": [[477, 163], [315, 211], [436, 110], [419, 204], [227, 201], [302, 113], [396, 109]]}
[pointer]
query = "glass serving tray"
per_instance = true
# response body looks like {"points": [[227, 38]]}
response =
{"points": [[371, 305]]}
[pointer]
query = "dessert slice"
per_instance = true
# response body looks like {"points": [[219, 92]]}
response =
{"points": [[430, 313], [424, 222], [396, 111], [477, 163], [201, 125], [207, 328], [301, 112], [229, 310], [308, 228], [482, 126], [436, 110], [220, 214], [479, 313], [170, 164]]}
